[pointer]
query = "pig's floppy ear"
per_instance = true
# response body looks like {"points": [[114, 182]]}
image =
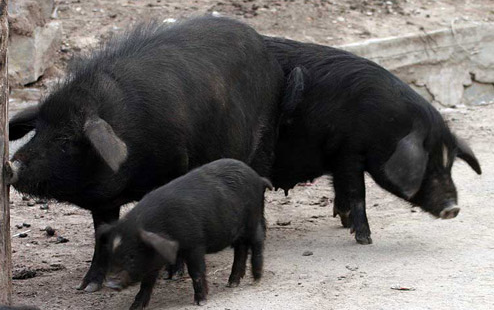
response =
{"points": [[294, 90], [104, 140], [167, 248], [23, 122], [406, 166], [466, 153]]}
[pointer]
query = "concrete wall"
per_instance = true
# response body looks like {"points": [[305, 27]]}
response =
{"points": [[448, 67]]}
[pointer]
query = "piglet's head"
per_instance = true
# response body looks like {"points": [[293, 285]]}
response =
{"points": [[421, 171], [134, 253]]}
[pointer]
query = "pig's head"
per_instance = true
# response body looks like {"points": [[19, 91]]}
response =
{"points": [[134, 253], [419, 169], [71, 146]]}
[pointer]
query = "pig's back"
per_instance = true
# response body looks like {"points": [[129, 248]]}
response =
{"points": [[211, 206]]}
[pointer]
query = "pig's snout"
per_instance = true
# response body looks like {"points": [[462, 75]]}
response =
{"points": [[12, 171], [451, 211], [118, 281]]}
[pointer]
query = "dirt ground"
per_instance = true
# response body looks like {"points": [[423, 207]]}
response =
{"points": [[447, 264]]}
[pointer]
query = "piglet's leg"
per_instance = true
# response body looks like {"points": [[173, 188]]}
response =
{"points": [[175, 271], [349, 185], [257, 247], [239, 262], [196, 266], [142, 298]]}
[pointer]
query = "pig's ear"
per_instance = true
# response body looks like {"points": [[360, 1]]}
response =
{"points": [[294, 90], [104, 140], [23, 122], [167, 248], [466, 153], [406, 166]]}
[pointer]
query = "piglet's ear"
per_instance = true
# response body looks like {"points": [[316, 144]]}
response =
{"points": [[23, 122], [104, 140], [466, 153], [167, 248], [406, 166]]}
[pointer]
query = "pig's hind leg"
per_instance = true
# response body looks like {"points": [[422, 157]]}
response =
{"points": [[239, 261], [196, 265], [349, 186]]}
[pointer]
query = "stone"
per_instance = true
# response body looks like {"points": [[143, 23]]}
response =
{"points": [[478, 94], [30, 56]]}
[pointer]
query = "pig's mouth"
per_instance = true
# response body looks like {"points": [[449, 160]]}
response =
{"points": [[12, 171]]}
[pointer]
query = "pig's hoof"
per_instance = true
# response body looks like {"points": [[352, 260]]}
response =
{"points": [[345, 221], [363, 239], [449, 213], [92, 287], [202, 302], [233, 284]]}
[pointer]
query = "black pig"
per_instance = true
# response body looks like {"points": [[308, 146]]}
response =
{"points": [[145, 109], [345, 115], [212, 207]]}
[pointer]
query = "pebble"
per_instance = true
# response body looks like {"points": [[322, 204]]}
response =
{"points": [[49, 231], [25, 198], [283, 223], [351, 268], [26, 224], [19, 226], [61, 239], [31, 203], [24, 273], [22, 235], [308, 253], [44, 207]]}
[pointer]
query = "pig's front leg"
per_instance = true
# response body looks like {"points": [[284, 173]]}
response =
{"points": [[93, 280], [142, 298], [349, 186]]}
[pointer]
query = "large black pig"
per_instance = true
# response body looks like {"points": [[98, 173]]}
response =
{"points": [[144, 110], [215, 206], [345, 115]]}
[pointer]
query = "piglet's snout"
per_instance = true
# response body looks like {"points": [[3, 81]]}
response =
{"points": [[114, 284], [12, 171], [451, 211]]}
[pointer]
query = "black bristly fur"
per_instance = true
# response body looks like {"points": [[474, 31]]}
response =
{"points": [[215, 206], [178, 96], [346, 118]]}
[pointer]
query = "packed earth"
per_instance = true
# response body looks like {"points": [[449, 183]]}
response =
{"points": [[311, 261]]}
